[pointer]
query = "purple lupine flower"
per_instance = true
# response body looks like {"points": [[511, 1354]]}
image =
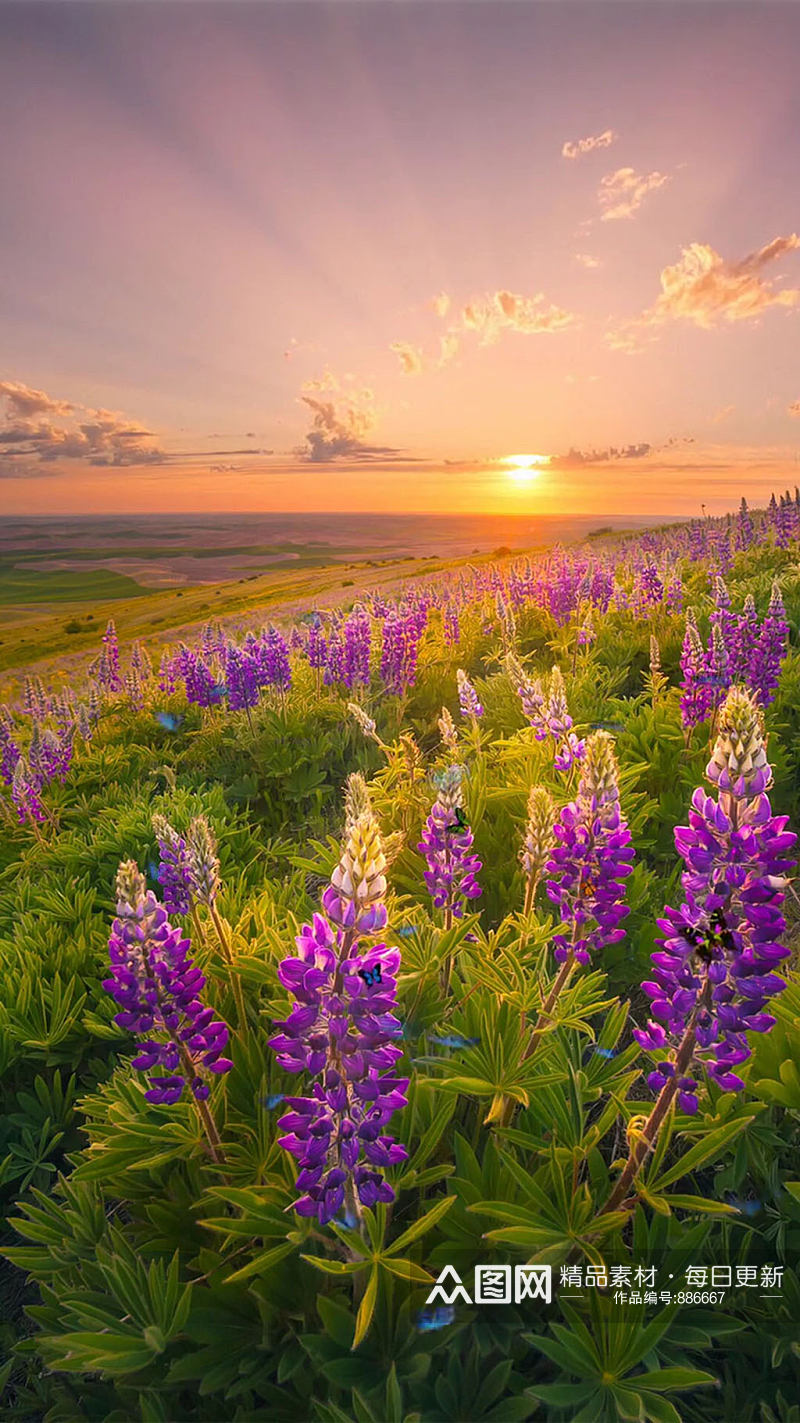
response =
{"points": [[199, 680], [569, 751], [468, 699], [166, 673], [111, 646], [241, 679], [649, 585], [334, 659], [529, 690], [174, 869], [105, 668], [717, 666], [674, 594], [696, 694], [446, 843], [770, 649], [745, 535], [134, 690], [140, 662], [591, 859], [742, 638], [556, 713], [451, 625], [158, 988], [316, 650], [35, 700], [714, 972], [402, 630], [393, 653], [342, 1030], [64, 711], [25, 787], [276, 658], [10, 753], [357, 642], [586, 634]]}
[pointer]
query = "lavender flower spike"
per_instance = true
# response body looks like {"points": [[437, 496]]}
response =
{"points": [[591, 859], [201, 849], [467, 696], [342, 1030], [158, 987], [447, 730], [174, 870], [538, 843], [715, 970], [447, 844]]}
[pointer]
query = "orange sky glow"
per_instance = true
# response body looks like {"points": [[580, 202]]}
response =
{"points": [[245, 268]]}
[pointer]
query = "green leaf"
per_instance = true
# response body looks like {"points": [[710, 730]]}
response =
{"points": [[334, 1267], [263, 1262], [421, 1226], [699, 1203], [366, 1308], [704, 1150], [662, 1380], [407, 1270], [659, 1409]]}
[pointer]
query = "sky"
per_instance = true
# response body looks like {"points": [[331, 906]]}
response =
{"points": [[360, 256]]}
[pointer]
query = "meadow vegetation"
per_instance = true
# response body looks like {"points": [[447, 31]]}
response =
{"points": [[326, 963]]}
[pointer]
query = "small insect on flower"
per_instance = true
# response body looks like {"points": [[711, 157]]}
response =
{"points": [[272, 1102], [455, 1040], [169, 720], [348, 1219], [436, 1318], [459, 823], [370, 976]]}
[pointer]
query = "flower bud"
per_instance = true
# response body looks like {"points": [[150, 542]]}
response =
{"points": [[739, 765]]}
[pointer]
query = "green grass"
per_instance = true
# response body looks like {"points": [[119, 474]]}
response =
{"points": [[31, 585]]}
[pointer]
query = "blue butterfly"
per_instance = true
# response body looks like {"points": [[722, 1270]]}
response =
{"points": [[348, 1219], [169, 720], [271, 1102], [370, 976], [217, 693], [437, 1318], [607, 725], [603, 1051], [154, 871], [747, 1207], [455, 1040], [406, 930]]}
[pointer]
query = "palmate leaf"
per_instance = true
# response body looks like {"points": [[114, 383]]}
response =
{"points": [[707, 1149]]}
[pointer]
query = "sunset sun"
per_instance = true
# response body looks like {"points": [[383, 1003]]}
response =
{"points": [[524, 469]]}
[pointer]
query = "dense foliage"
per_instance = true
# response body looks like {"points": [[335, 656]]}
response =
{"points": [[327, 963]]}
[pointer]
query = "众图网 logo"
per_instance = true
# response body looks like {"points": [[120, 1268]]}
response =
{"points": [[495, 1284]]}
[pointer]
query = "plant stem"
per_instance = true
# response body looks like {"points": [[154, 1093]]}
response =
{"points": [[206, 1119], [645, 1143], [549, 1004], [447, 966], [227, 953]]}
